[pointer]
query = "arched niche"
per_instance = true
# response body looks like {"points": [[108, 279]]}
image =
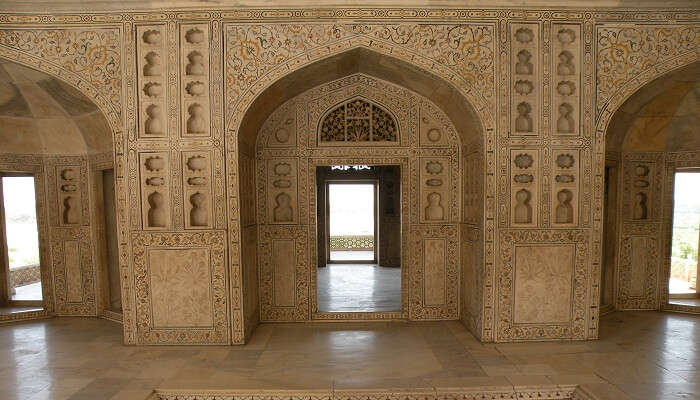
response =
{"points": [[54, 132], [649, 137], [463, 151]]}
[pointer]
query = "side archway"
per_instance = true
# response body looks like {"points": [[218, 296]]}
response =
{"points": [[650, 136], [106, 99]]}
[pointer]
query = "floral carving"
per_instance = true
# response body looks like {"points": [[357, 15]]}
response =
{"points": [[94, 55], [625, 52]]}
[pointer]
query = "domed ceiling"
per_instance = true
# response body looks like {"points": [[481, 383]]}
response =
{"points": [[662, 116], [40, 114]]}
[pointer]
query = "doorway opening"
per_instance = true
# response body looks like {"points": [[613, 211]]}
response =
{"points": [[359, 224], [19, 231], [683, 284], [352, 221]]}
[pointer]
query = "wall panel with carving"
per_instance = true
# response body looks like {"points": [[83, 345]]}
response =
{"points": [[639, 260]]}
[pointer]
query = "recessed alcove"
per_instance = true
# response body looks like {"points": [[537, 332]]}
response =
{"points": [[650, 236], [59, 141]]}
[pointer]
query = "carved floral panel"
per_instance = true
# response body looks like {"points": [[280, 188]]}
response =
{"points": [[542, 285], [181, 294]]}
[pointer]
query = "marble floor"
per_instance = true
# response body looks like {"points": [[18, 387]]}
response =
{"points": [[641, 355], [359, 288]]}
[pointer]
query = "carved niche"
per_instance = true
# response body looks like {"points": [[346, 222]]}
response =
{"points": [[197, 189], [525, 91], [282, 202], [565, 187], [434, 190], [154, 171], [152, 81], [641, 180], [567, 78], [194, 53], [524, 186], [69, 187]]}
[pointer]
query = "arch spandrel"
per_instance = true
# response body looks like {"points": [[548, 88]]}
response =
{"points": [[464, 66]]}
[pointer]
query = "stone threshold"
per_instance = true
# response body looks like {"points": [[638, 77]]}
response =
{"points": [[548, 392]]}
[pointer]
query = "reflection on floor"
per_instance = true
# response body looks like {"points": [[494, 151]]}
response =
{"points": [[359, 288], [28, 292], [355, 255], [647, 355], [16, 310], [685, 302]]}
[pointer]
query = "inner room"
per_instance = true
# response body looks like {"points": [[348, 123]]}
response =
{"points": [[359, 225]]}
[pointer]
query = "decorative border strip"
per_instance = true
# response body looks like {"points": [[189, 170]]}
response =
{"points": [[549, 392]]}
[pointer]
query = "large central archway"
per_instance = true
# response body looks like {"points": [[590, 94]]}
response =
{"points": [[424, 101]]}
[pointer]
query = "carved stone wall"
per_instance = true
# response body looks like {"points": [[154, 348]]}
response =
{"points": [[162, 79]]}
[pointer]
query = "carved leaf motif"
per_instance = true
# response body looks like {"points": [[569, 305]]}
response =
{"points": [[197, 181], [641, 183], [566, 36], [564, 178], [197, 163], [524, 35], [523, 160], [194, 36], [433, 167], [282, 183], [434, 182], [155, 163], [565, 161], [523, 87], [282, 169], [566, 88], [523, 178], [155, 181]]}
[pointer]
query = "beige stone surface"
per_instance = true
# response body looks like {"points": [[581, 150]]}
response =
{"points": [[41, 114], [543, 283], [641, 356], [181, 287]]}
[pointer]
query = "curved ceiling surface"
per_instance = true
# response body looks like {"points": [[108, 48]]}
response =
{"points": [[664, 115], [40, 114]]}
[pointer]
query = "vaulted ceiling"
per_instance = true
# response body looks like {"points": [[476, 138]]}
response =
{"points": [[662, 116], [40, 114]]}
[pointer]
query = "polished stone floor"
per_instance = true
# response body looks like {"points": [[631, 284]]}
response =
{"points": [[685, 302], [641, 355], [359, 288]]}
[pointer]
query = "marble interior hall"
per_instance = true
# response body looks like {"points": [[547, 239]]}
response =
{"points": [[525, 155]]}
